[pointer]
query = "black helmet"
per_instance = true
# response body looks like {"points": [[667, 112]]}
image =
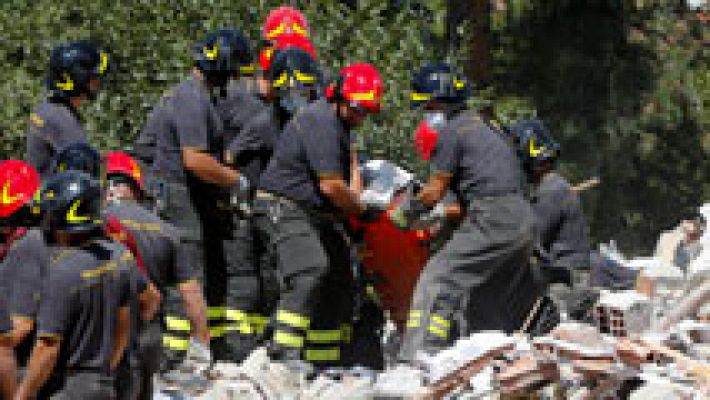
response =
{"points": [[79, 156], [439, 82], [71, 202], [72, 65], [295, 77], [534, 142], [224, 53]]}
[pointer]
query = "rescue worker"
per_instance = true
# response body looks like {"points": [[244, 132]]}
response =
{"points": [[293, 79], [302, 193], [198, 183], [19, 287], [480, 279], [8, 366], [75, 73], [156, 247], [561, 224], [83, 321], [21, 246]]}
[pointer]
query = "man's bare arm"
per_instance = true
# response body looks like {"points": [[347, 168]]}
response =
{"points": [[8, 367], [42, 362], [21, 327], [356, 184], [122, 334], [149, 302], [434, 190], [196, 309], [337, 191], [206, 168]]}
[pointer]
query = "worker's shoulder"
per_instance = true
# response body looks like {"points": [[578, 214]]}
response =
{"points": [[133, 216], [319, 115], [49, 113]]}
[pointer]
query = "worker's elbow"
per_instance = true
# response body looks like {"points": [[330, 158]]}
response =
{"points": [[190, 158], [331, 187]]}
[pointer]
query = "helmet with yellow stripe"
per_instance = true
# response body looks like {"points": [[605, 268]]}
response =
{"points": [[360, 86], [439, 82], [535, 144], [72, 68], [19, 182], [224, 54], [295, 78], [71, 202], [284, 20]]}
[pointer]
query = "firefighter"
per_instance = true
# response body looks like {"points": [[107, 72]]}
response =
{"points": [[293, 82], [480, 279], [76, 70], [8, 365], [19, 247], [198, 185], [23, 246], [301, 195], [561, 228], [83, 319], [156, 248]]}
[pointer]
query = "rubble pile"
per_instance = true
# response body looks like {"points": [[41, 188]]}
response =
{"points": [[649, 343]]}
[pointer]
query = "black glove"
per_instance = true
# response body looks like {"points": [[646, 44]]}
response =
{"points": [[406, 212], [240, 195]]}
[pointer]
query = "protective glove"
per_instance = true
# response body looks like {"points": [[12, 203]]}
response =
{"points": [[406, 212], [372, 207], [240, 195], [431, 218]]}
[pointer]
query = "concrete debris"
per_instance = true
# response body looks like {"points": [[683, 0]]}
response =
{"points": [[638, 346]]}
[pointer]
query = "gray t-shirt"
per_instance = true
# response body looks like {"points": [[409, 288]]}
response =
{"points": [[560, 222], [236, 109], [251, 150], [5, 322], [314, 144], [21, 274], [52, 126], [81, 296], [157, 242], [188, 119], [477, 158]]}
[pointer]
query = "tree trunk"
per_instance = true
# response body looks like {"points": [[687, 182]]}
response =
{"points": [[476, 15]]}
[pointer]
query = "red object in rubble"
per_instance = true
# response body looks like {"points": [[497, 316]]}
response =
{"points": [[395, 259]]}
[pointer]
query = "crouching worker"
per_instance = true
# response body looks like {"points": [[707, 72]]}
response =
{"points": [[480, 279], [83, 323], [156, 247]]}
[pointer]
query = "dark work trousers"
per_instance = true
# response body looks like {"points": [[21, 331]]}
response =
{"points": [[480, 280], [86, 386], [241, 288], [312, 317], [149, 351]]}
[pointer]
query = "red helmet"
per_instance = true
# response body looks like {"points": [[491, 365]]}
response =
{"points": [[283, 42], [360, 85], [120, 163], [425, 140], [284, 20], [19, 182]]}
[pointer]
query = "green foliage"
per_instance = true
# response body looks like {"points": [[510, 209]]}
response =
{"points": [[149, 42], [625, 89]]}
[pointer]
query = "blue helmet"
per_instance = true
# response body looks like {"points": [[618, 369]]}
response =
{"points": [[535, 144], [223, 53], [439, 81], [73, 65]]}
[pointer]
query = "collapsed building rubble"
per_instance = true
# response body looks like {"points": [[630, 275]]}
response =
{"points": [[648, 343]]}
